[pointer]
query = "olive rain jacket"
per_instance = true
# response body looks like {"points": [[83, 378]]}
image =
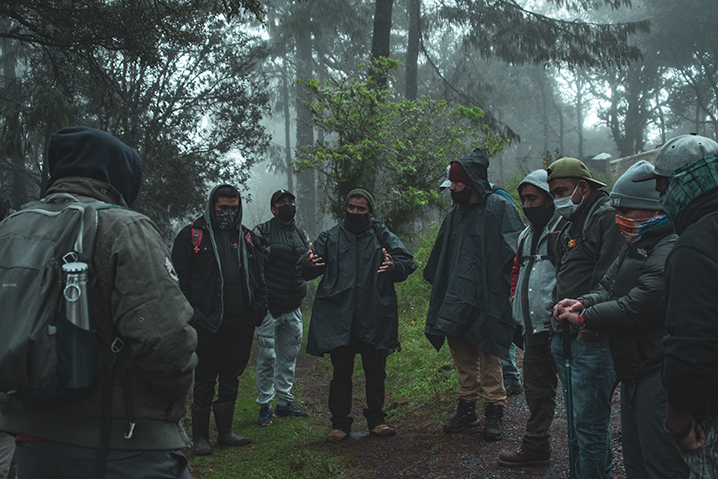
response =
{"points": [[353, 301], [137, 294], [470, 267], [199, 270], [285, 286], [587, 246], [690, 371], [629, 304]]}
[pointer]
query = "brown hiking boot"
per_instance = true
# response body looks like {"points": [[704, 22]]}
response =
{"points": [[337, 436], [382, 430], [520, 458]]}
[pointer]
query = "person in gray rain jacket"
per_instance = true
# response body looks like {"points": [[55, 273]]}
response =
{"points": [[355, 307], [469, 268]]}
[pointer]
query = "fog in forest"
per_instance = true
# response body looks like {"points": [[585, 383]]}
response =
{"points": [[319, 96]]}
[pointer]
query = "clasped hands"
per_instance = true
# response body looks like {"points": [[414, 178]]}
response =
{"points": [[569, 310]]}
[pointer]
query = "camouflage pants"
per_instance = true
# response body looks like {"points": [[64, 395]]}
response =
{"points": [[704, 463]]}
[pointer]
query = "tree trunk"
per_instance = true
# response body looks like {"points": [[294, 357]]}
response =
{"points": [[287, 125], [382, 35], [14, 133], [579, 113], [412, 50], [306, 182]]}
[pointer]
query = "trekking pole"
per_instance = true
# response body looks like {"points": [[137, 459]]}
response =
{"points": [[568, 393]]}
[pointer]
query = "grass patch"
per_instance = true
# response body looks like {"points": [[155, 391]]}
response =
{"points": [[420, 392]]}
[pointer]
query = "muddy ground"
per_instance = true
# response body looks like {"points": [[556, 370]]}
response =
{"points": [[422, 450]]}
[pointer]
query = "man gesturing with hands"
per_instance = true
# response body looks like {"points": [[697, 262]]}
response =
{"points": [[355, 308]]}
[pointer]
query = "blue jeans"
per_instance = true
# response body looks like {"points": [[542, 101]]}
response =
{"points": [[592, 380], [512, 376]]}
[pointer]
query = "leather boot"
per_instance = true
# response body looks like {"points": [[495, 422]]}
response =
{"points": [[200, 432], [223, 416], [465, 417], [494, 415]]}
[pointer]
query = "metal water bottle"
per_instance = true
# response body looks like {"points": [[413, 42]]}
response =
{"points": [[75, 292]]}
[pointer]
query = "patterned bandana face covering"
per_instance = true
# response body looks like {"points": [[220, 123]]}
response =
{"points": [[689, 182], [634, 229], [225, 218]]}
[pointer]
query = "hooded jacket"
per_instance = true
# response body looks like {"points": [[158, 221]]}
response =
{"points": [[690, 370], [136, 293], [198, 265], [353, 301], [470, 266]]}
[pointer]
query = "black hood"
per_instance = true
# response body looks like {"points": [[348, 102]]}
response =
{"points": [[209, 207], [476, 165], [85, 152]]}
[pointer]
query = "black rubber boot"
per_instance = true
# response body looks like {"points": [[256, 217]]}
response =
{"points": [[494, 416], [465, 417], [223, 416], [200, 432]]}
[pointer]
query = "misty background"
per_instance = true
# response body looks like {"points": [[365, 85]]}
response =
{"points": [[295, 94]]}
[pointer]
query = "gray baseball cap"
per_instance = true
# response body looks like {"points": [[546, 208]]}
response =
{"points": [[677, 152], [447, 181]]}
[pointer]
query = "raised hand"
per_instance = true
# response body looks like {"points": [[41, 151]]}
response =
{"points": [[313, 260], [388, 264]]}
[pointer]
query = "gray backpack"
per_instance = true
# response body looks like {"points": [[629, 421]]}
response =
{"points": [[44, 358]]}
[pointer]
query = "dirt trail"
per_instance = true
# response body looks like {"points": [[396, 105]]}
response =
{"points": [[422, 450]]}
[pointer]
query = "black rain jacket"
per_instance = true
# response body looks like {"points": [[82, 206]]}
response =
{"points": [[690, 371], [470, 268], [353, 301]]}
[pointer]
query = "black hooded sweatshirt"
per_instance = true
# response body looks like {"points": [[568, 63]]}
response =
{"points": [[221, 272]]}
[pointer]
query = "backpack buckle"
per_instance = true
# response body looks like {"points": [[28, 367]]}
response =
{"points": [[117, 345]]}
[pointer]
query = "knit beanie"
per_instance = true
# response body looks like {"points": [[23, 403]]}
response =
{"points": [[627, 193], [363, 192], [459, 174]]}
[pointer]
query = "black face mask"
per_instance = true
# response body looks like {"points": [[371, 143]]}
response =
{"points": [[286, 212], [461, 197], [539, 216], [356, 219]]}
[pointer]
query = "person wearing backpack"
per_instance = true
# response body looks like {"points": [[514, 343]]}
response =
{"points": [[141, 318], [629, 305], [532, 279], [469, 269], [221, 272], [279, 337], [587, 246]]}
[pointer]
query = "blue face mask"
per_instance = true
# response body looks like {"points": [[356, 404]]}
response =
{"points": [[565, 206]]}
